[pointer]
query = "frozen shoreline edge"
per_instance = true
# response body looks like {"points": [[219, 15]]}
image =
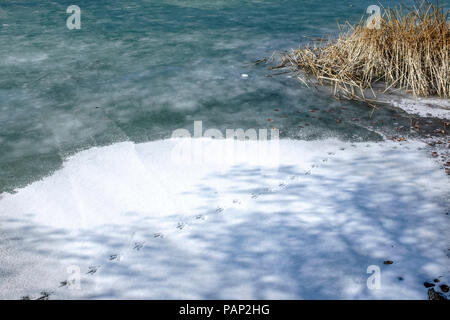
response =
{"points": [[422, 107]]}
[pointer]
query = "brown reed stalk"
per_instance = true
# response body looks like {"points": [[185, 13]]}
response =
{"points": [[410, 51]]}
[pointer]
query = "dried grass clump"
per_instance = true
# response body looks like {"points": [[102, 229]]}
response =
{"points": [[409, 51]]}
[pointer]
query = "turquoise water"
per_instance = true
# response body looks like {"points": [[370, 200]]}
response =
{"points": [[137, 70]]}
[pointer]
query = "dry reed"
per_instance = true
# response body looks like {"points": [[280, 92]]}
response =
{"points": [[409, 51]]}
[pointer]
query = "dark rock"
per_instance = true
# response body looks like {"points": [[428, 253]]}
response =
{"points": [[388, 262], [433, 295], [444, 288], [428, 285]]}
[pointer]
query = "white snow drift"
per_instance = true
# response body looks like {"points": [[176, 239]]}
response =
{"points": [[140, 225]]}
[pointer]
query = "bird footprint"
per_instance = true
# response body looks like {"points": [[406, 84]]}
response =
{"points": [[180, 225], [219, 210], [138, 245], [92, 269], [114, 257], [44, 295]]}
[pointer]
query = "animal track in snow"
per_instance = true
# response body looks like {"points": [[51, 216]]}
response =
{"points": [[138, 245], [114, 257], [92, 270], [219, 210], [181, 225]]}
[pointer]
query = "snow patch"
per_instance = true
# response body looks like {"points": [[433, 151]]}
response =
{"points": [[424, 107], [139, 225]]}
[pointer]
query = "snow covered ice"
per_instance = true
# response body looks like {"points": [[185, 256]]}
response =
{"points": [[153, 228]]}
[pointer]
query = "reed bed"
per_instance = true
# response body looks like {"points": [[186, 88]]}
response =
{"points": [[409, 51]]}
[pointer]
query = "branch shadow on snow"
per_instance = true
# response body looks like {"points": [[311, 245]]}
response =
{"points": [[310, 239]]}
